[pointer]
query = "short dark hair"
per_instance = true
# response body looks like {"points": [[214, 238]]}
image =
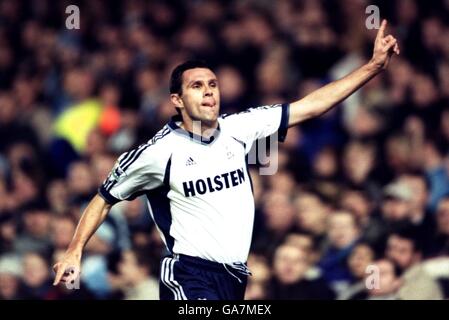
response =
{"points": [[176, 76], [410, 233]]}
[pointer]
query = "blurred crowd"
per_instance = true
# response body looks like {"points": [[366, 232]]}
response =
{"points": [[360, 191]]}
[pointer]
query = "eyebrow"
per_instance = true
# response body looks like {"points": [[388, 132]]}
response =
{"points": [[195, 81]]}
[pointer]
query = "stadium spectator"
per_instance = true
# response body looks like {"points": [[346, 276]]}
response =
{"points": [[36, 276], [361, 205], [362, 256], [440, 243], [139, 282], [10, 278], [35, 236], [311, 214], [404, 249], [385, 284], [290, 278], [342, 235], [420, 214], [257, 288]]}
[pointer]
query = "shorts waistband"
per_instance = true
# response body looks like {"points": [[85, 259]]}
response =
{"points": [[239, 267]]}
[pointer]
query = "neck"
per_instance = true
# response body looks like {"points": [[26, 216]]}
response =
{"points": [[204, 128]]}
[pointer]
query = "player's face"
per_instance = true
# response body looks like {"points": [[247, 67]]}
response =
{"points": [[200, 97]]}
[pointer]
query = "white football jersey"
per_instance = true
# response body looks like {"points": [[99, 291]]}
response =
{"points": [[199, 192]]}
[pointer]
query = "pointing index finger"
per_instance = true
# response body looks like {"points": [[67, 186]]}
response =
{"points": [[381, 32]]}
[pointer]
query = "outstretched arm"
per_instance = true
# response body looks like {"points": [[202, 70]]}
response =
{"points": [[323, 99], [69, 267]]}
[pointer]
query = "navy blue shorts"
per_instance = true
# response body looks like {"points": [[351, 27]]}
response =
{"points": [[189, 278]]}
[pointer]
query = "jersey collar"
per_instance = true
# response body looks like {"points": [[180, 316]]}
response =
{"points": [[173, 125]]}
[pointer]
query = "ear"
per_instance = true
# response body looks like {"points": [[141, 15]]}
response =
{"points": [[176, 100]]}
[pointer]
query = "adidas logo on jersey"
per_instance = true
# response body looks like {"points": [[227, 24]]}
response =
{"points": [[190, 162]]}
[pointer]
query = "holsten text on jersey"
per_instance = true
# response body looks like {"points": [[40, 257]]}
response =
{"points": [[212, 184]]}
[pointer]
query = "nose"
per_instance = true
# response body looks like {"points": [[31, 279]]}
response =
{"points": [[208, 92]]}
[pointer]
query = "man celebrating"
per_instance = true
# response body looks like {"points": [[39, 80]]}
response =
{"points": [[193, 173]]}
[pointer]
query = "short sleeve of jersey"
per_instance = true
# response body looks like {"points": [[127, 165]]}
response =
{"points": [[135, 172], [256, 123]]}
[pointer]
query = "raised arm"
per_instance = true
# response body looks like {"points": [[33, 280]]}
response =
{"points": [[323, 99], [92, 217]]}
